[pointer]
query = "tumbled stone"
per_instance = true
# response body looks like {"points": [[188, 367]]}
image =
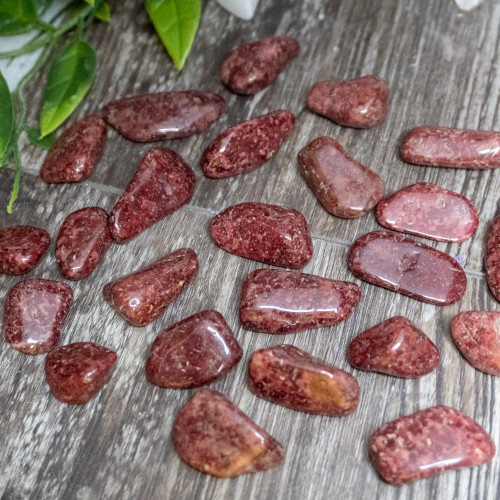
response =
{"points": [[279, 301], [162, 184], [143, 296], [398, 263], [248, 145], [427, 443], [34, 315], [492, 257], [214, 436], [343, 186], [267, 233], [77, 372]]}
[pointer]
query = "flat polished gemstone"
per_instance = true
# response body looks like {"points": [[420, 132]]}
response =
{"points": [[492, 257]]}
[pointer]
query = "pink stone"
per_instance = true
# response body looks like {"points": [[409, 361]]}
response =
{"points": [[492, 257], [267, 233], [343, 186], [214, 436], [248, 145], [427, 443]]}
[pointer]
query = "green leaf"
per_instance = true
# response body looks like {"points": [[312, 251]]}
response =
{"points": [[16, 16], [176, 21], [34, 137], [42, 5], [91, 2], [6, 116], [103, 12], [15, 188], [70, 77]]}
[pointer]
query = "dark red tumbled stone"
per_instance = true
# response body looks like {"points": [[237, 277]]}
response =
{"points": [[214, 436], [267, 233], [164, 115], [492, 257], [252, 67], [76, 372], [401, 264], [248, 145], [34, 315], [427, 443], [343, 186], [21, 248], [162, 184]]}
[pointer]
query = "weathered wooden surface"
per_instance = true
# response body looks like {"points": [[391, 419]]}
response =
{"points": [[443, 68]]}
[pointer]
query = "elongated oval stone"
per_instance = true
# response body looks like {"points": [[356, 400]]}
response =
{"points": [[492, 257], [401, 264], [430, 211], [248, 145], [214, 436], [342, 185], [291, 377], [143, 296], [267, 233], [162, 184], [427, 443], [279, 301], [164, 115]]}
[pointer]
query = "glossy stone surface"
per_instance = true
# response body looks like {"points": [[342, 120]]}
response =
{"points": [[248, 145], [267, 233], [75, 155], [401, 264], [22, 248], [193, 352], [291, 377], [427, 443], [77, 372], [451, 147], [252, 67], [143, 296], [394, 347], [83, 240], [343, 186], [162, 184], [492, 257], [360, 103], [279, 301], [34, 314], [214, 436], [430, 211]]}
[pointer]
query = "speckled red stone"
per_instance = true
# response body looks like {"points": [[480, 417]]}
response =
{"points": [[291, 377], [492, 257], [22, 248], [343, 186], [76, 372], [401, 264], [34, 315], [252, 67], [162, 184], [267, 233], [430, 211], [279, 301], [248, 145], [143, 296], [164, 115], [214, 436], [427, 443], [360, 103]]}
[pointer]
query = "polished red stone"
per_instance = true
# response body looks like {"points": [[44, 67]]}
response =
{"points": [[427, 443], [77, 372], [75, 155], [143, 296], [452, 147], [279, 301], [34, 315], [252, 67], [193, 352], [164, 115], [430, 211], [22, 248], [267, 233], [248, 145], [401, 264], [360, 103], [343, 186], [162, 184], [214, 436], [492, 257]]}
